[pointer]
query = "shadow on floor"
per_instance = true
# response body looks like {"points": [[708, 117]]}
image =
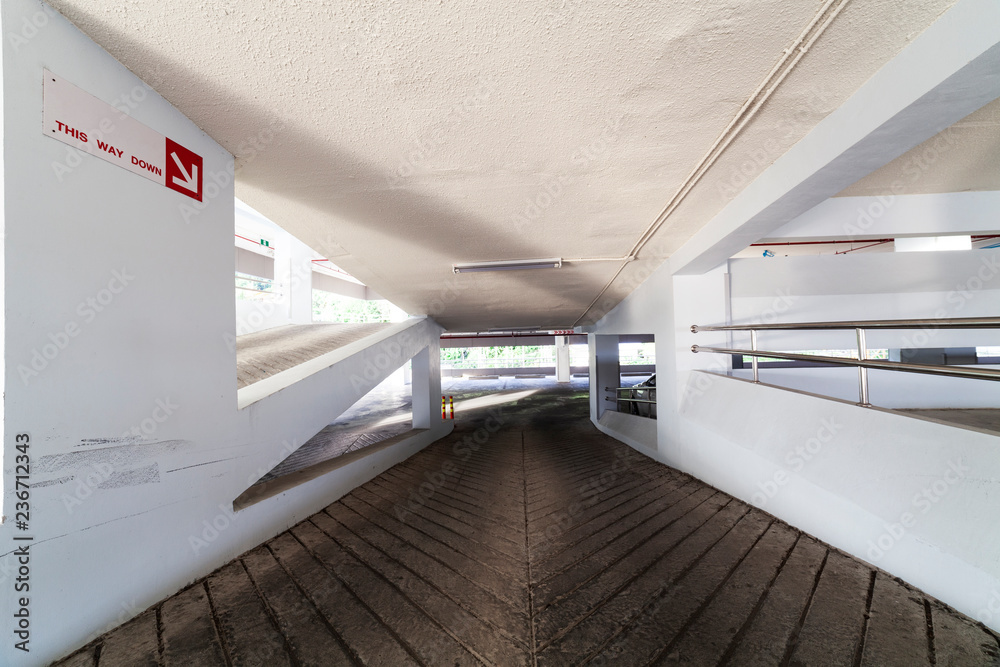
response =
{"points": [[527, 537]]}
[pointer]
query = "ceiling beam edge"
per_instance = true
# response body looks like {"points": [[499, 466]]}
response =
{"points": [[946, 73]]}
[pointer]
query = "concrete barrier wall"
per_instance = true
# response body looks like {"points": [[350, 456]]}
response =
{"points": [[914, 497], [120, 373], [911, 496]]}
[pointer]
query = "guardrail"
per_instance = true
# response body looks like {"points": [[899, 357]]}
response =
{"points": [[862, 363], [618, 399]]}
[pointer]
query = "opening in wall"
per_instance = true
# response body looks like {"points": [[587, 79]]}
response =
{"points": [[380, 418], [636, 391], [332, 307], [254, 269]]}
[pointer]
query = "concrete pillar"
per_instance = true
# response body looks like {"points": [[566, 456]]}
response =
{"points": [[283, 277], [300, 288], [604, 372], [293, 278], [562, 359], [426, 386]]}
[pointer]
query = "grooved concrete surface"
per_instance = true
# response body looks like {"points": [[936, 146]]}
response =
{"points": [[262, 354], [384, 412], [984, 418], [528, 538]]}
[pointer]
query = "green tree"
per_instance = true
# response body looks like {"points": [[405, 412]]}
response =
{"points": [[328, 307]]}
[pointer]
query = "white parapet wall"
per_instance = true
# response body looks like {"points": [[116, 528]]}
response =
{"points": [[637, 432], [120, 370], [915, 497], [912, 496]]}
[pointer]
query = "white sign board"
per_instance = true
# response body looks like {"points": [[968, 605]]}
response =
{"points": [[75, 117]]}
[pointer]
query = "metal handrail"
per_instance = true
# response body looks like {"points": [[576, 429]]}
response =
{"points": [[862, 362], [928, 369], [941, 323], [637, 387], [258, 291], [618, 399]]}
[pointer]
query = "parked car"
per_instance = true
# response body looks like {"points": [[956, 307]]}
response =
{"points": [[645, 391]]}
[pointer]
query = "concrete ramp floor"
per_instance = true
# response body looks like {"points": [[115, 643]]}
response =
{"points": [[529, 538], [262, 354], [983, 419]]}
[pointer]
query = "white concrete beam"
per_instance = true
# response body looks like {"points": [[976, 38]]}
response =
{"points": [[426, 386], [335, 285], [889, 216], [948, 72], [562, 359]]}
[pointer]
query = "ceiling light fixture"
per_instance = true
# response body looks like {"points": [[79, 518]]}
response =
{"points": [[515, 329], [508, 265]]}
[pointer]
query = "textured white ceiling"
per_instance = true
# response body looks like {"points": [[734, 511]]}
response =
{"points": [[964, 157], [397, 138]]}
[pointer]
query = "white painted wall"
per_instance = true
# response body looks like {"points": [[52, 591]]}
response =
{"points": [[889, 216], [856, 489], [138, 443], [3, 296], [913, 497]]}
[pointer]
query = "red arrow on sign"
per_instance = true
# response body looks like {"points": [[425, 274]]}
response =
{"points": [[183, 170]]}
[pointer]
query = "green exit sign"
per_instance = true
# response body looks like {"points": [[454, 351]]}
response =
{"points": [[265, 243]]}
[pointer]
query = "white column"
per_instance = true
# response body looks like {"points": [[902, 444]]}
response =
{"points": [[604, 372], [300, 287], [426, 386], [562, 359], [283, 275]]}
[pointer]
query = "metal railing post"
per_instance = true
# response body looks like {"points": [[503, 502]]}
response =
{"points": [[753, 363], [862, 371]]}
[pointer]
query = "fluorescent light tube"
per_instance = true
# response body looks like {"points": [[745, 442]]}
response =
{"points": [[514, 329], [508, 265]]}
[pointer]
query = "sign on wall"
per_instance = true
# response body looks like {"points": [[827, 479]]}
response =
{"points": [[75, 117]]}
